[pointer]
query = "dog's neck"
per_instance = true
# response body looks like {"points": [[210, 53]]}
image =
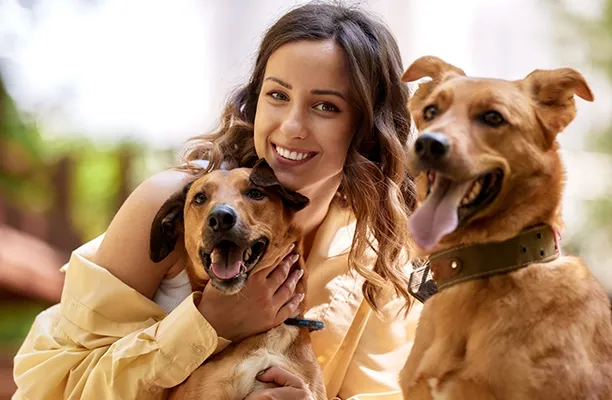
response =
{"points": [[452, 265], [537, 244]]}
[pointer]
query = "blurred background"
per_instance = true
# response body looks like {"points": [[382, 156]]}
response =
{"points": [[96, 95]]}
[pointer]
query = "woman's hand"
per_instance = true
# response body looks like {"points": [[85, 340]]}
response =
{"points": [[267, 299], [290, 386]]}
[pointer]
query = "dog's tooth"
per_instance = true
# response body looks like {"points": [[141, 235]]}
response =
{"points": [[247, 254], [476, 189], [472, 193]]}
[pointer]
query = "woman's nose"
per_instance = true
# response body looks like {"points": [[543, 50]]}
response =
{"points": [[294, 124]]}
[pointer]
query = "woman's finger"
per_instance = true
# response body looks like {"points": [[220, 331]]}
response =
{"points": [[281, 377], [279, 276], [264, 273]]}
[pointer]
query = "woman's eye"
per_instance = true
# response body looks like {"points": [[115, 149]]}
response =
{"points": [[199, 198], [326, 107], [280, 96], [255, 194], [430, 112]]}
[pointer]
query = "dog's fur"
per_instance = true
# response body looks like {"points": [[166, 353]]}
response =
{"points": [[230, 375], [543, 331]]}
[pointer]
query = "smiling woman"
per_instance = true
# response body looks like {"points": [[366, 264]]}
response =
{"points": [[304, 122], [326, 109]]}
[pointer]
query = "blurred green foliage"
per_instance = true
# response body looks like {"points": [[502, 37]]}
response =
{"points": [[15, 321], [28, 162], [20, 154], [585, 37], [98, 181]]}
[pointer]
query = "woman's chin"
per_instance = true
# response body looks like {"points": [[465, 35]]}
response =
{"points": [[290, 181]]}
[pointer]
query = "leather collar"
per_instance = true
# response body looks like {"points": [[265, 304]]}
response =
{"points": [[538, 244]]}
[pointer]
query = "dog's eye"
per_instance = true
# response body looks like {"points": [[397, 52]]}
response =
{"points": [[492, 118], [255, 194], [199, 198], [430, 112]]}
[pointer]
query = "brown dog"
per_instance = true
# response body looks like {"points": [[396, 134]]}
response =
{"points": [[513, 319], [234, 223]]}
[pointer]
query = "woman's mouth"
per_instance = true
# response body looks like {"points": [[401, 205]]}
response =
{"points": [[292, 156]]}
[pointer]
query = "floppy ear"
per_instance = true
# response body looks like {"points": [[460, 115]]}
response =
{"points": [[432, 67], [167, 226], [263, 176], [553, 92]]}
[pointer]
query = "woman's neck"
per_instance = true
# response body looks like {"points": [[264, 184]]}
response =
{"points": [[310, 218]]}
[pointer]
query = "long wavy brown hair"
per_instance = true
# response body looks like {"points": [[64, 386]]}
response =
{"points": [[375, 183]]}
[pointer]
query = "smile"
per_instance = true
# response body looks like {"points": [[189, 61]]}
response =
{"points": [[293, 155]]}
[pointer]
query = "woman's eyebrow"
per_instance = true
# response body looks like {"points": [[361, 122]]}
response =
{"points": [[279, 81], [328, 92], [322, 92]]}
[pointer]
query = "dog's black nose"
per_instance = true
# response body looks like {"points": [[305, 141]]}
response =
{"points": [[222, 218], [431, 146]]}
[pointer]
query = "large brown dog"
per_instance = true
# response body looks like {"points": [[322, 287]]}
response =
{"points": [[513, 318], [234, 223]]}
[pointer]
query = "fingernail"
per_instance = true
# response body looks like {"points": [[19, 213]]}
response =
{"points": [[296, 276], [294, 258], [300, 297], [263, 371], [292, 246]]}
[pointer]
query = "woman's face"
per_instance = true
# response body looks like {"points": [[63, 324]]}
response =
{"points": [[304, 122]]}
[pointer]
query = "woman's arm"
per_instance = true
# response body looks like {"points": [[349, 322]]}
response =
{"points": [[75, 353], [124, 251], [107, 340]]}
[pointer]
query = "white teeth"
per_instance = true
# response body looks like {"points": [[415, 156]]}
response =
{"points": [[291, 155], [247, 254], [472, 193]]}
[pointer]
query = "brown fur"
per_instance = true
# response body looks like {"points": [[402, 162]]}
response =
{"points": [[543, 331], [231, 373]]}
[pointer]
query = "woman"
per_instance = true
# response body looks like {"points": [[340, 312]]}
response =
{"points": [[325, 107]]}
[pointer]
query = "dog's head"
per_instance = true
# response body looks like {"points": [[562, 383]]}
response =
{"points": [[233, 223], [486, 156]]}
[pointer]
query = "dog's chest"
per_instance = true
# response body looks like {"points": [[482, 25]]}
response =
{"points": [[273, 351]]}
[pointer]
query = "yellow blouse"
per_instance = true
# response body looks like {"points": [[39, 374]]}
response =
{"points": [[107, 341]]}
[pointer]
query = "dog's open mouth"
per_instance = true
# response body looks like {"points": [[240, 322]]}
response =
{"points": [[450, 203], [480, 193], [228, 261]]}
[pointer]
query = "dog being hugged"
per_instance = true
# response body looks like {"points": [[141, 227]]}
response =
{"points": [[235, 222], [513, 318]]}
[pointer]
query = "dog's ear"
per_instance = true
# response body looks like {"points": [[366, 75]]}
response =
{"points": [[553, 92], [432, 67], [263, 176], [167, 225]]}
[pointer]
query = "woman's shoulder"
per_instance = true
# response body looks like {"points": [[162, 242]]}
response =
{"points": [[124, 251]]}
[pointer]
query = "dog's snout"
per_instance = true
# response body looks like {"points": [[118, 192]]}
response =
{"points": [[222, 218], [431, 146]]}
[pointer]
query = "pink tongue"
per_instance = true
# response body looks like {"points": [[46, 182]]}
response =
{"points": [[226, 264], [437, 216]]}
